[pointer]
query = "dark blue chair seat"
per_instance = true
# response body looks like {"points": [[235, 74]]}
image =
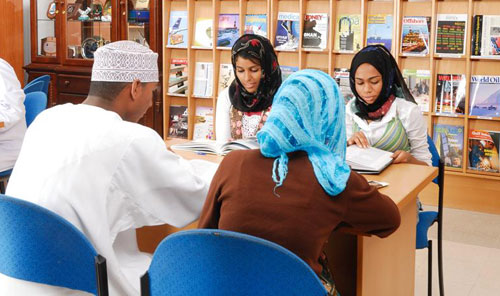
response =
{"points": [[31, 87], [425, 221], [4, 177], [5, 173], [45, 80], [218, 262], [40, 246], [428, 218], [34, 103]]}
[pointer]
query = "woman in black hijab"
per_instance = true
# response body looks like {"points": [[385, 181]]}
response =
{"points": [[242, 108], [383, 113]]}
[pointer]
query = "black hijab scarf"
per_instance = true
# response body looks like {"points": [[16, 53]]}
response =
{"points": [[255, 47], [393, 83]]}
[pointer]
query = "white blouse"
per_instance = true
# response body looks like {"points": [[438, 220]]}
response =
{"points": [[410, 116], [250, 123]]}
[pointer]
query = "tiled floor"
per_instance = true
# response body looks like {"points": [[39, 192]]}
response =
{"points": [[471, 255]]}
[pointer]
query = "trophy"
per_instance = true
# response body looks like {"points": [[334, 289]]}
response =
{"points": [[84, 14]]}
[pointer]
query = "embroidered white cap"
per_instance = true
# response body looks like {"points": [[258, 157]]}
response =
{"points": [[124, 61]]}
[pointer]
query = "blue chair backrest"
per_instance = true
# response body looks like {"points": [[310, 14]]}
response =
{"points": [[38, 245], [34, 103], [45, 79], [219, 262], [6, 173], [435, 155], [31, 87]]}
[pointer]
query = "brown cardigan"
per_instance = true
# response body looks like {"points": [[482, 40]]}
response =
{"points": [[241, 199]]}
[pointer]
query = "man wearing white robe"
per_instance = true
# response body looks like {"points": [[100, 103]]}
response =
{"points": [[12, 116], [93, 165]]}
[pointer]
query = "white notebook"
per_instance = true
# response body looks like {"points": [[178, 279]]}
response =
{"points": [[367, 160]]}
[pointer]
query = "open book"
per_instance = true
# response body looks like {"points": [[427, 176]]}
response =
{"points": [[214, 147], [367, 160]]}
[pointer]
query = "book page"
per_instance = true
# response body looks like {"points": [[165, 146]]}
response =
{"points": [[241, 144], [367, 158]]}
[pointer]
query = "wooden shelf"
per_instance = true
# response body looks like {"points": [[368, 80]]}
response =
{"points": [[484, 118], [474, 174], [329, 59]]}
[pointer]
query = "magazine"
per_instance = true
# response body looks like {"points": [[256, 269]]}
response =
{"points": [[486, 36], [203, 79], [379, 30], [450, 94], [256, 24], [315, 31], [228, 31], [341, 76], [219, 148], [178, 125], [450, 35], [287, 31], [203, 33], [177, 81], [203, 123], [415, 35], [226, 76], [369, 160], [484, 96], [449, 140], [177, 32], [418, 83], [348, 35], [483, 150], [287, 71]]}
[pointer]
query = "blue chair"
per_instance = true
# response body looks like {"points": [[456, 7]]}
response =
{"points": [[31, 87], [34, 103], [45, 79], [218, 262], [428, 218], [40, 246], [4, 177]]}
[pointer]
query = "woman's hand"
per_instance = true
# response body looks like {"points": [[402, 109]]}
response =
{"points": [[359, 139], [401, 156]]}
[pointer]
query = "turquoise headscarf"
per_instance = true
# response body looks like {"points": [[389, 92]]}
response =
{"points": [[308, 114]]}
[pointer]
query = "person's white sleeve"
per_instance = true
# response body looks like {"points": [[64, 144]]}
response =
{"points": [[348, 122], [11, 97], [222, 120], [161, 186], [416, 129]]}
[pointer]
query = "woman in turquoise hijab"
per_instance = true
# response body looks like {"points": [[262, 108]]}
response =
{"points": [[297, 188]]}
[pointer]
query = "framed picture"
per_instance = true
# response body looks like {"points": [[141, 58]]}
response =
{"points": [[49, 46], [106, 12], [141, 4], [72, 11], [51, 10]]}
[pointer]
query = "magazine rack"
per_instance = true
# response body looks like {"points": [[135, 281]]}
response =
{"points": [[459, 179]]}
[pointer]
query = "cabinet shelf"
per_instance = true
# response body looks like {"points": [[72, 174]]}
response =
{"points": [[89, 22], [67, 37]]}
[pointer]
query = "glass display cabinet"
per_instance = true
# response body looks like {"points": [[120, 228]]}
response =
{"points": [[66, 33]]}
